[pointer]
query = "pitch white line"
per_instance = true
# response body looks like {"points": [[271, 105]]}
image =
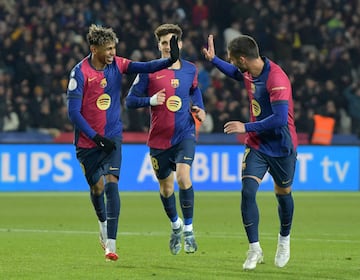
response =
{"points": [[208, 235]]}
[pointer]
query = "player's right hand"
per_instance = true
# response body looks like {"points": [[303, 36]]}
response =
{"points": [[104, 143], [158, 98], [234, 127], [209, 52], [174, 49]]}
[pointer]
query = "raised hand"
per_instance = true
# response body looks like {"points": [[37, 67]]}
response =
{"points": [[209, 52], [174, 49]]}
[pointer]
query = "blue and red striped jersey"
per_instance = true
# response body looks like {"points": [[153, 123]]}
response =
{"points": [[171, 122], [99, 92], [271, 88], [271, 129]]}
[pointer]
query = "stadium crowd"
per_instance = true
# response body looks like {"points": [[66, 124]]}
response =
{"points": [[316, 42]]}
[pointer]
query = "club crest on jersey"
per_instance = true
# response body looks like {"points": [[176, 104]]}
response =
{"points": [[173, 103], [255, 108], [175, 83], [103, 102], [103, 83]]}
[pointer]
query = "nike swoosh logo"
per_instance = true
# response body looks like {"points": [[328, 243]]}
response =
{"points": [[91, 79], [102, 144], [113, 168], [160, 77], [285, 182], [187, 158]]}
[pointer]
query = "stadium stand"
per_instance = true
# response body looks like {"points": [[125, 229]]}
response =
{"points": [[316, 42]]}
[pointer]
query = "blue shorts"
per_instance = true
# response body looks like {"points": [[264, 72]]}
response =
{"points": [[282, 169], [95, 163], [164, 161]]}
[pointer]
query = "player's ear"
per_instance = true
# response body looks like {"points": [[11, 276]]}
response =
{"points": [[93, 49], [180, 44]]}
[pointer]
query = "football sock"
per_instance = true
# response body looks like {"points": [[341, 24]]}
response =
{"points": [[286, 211], [99, 206], [255, 246], [188, 227], [249, 209], [169, 204], [187, 204], [112, 208], [176, 224]]}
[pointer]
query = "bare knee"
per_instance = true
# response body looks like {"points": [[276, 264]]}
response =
{"points": [[167, 186], [98, 188], [183, 176]]}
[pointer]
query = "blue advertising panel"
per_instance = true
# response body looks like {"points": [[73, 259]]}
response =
{"points": [[54, 167], [40, 167]]}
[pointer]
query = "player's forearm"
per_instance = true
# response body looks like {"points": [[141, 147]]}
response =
{"points": [[197, 99], [133, 101], [149, 66], [277, 119], [227, 68], [77, 119]]}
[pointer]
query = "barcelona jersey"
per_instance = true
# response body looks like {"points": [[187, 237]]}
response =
{"points": [[269, 91], [172, 121], [99, 93], [270, 88]]}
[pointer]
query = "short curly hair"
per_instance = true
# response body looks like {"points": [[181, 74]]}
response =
{"points": [[167, 28], [100, 36]]}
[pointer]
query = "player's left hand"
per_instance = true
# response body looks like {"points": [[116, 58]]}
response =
{"points": [[209, 52], [174, 49], [234, 127], [199, 113]]}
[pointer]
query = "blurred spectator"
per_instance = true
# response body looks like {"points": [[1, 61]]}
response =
{"points": [[231, 32], [3, 106], [203, 76], [11, 119], [352, 94], [25, 119], [199, 12]]}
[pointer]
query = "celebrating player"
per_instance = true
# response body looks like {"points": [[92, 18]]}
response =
{"points": [[173, 95], [93, 95], [271, 139]]}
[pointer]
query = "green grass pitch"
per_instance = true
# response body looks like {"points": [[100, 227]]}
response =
{"points": [[55, 236]]}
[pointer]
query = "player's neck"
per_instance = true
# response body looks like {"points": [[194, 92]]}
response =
{"points": [[257, 67], [176, 65], [97, 64]]}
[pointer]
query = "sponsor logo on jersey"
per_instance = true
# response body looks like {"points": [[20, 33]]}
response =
{"points": [[173, 103], [103, 102], [91, 79], [255, 108]]}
